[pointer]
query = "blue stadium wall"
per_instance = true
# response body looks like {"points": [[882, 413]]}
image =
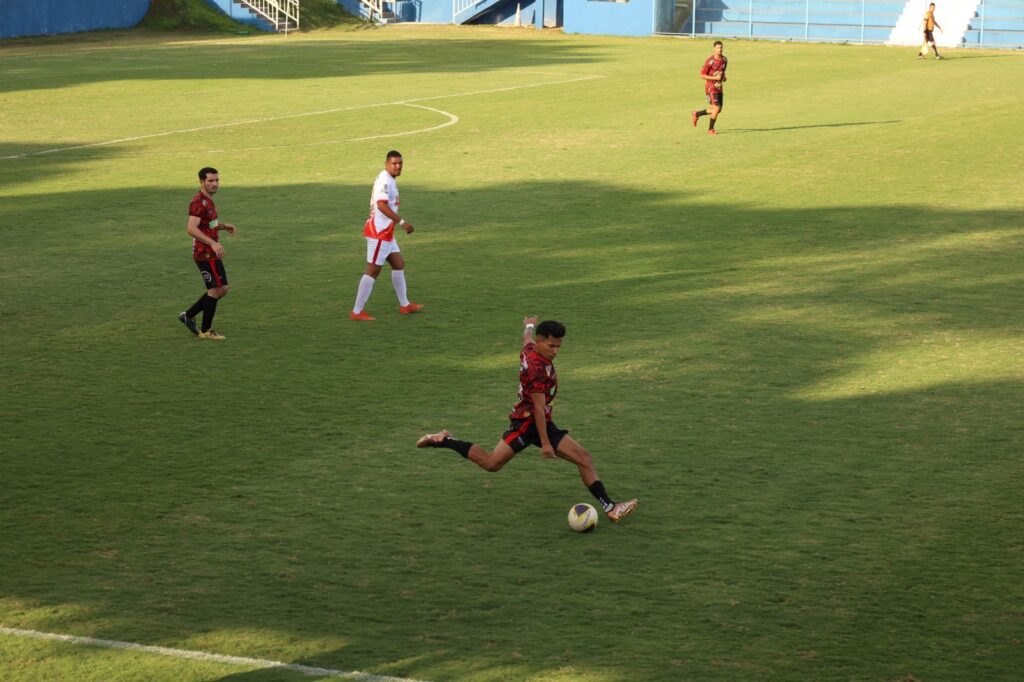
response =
{"points": [[632, 18], [48, 17]]}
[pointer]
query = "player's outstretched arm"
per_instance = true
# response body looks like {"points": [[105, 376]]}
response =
{"points": [[529, 322]]}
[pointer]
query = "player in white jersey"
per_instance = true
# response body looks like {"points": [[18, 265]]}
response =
{"points": [[381, 246]]}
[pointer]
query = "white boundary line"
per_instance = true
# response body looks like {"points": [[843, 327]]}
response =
{"points": [[312, 671], [321, 112]]}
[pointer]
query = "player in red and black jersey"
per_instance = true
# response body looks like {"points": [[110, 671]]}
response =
{"points": [[208, 254], [713, 73], [530, 420]]}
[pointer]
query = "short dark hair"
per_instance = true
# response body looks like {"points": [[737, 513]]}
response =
{"points": [[203, 172], [718, 42], [551, 329], [392, 154]]}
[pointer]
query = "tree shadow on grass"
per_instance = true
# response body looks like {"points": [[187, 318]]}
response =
{"points": [[799, 397], [288, 61]]}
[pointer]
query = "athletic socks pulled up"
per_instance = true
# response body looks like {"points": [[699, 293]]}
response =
{"points": [[209, 310], [197, 307], [459, 446], [363, 293], [597, 490], [398, 280]]}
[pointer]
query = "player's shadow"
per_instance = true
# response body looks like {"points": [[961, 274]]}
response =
{"points": [[816, 125]]}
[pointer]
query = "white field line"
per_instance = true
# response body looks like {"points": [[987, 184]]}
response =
{"points": [[312, 671], [321, 112], [452, 120]]}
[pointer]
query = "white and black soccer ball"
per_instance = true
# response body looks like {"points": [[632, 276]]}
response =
{"points": [[582, 518]]}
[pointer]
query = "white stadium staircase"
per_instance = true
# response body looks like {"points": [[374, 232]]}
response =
{"points": [[954, 16], [379, 11], [283, 15]]}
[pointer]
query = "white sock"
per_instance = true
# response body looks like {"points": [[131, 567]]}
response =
{"points": [[398, 279], [363, 294]]}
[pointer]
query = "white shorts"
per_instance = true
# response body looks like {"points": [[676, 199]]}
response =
{"points": [[378, 250]]}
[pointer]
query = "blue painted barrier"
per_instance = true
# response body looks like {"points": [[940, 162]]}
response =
{"points": [[49, 17]]}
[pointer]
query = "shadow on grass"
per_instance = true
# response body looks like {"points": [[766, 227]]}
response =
{"points": [[817, 407], [818, 125], [281, 59]]}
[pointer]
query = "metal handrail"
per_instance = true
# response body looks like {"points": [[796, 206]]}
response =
{"points": [[461, 6], [273, 10]]}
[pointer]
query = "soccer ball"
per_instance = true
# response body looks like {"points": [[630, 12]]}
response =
{"points": [[582, 518]]}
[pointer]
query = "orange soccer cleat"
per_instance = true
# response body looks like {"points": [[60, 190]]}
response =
{"points": [[620, 510], [361, 317], [411, 308], [432, 440]]}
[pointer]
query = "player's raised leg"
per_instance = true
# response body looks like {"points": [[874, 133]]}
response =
{"points": [[488, 461]]}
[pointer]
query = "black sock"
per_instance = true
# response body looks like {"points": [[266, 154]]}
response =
{"points": [[196, 308], [702, 112], [459, 446], [209, 309], [711, 126], [597, 490]]}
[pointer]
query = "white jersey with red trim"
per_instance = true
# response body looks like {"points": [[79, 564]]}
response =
{"points": [[385, 188]]}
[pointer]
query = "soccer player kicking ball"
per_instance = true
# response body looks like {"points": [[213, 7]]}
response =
{"points": [[381, 246], [713, 73], [531, 419]]}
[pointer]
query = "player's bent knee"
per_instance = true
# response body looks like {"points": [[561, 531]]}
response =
{"points": [[494, 465]]}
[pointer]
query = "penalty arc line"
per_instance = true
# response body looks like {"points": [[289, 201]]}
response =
{"points": [[452, 120], [312, 671], [299, 115]]}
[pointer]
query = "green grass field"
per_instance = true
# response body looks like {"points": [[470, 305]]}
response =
{"points": [[798, 344]]}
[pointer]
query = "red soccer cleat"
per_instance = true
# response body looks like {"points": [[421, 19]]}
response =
{"points": [[693, 118], [361, 317], [712, 132], [411, 308]]}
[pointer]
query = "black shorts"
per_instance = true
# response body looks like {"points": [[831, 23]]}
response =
{"points": [[213, 272], [928, 37], [523, 432], [716, 98]]}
